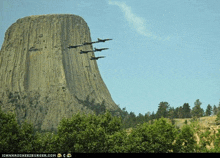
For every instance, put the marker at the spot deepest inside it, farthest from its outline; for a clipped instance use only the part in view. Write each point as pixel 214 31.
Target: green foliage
pixel 15 138
pixel 179 112
pixel 217 120
pixel 45 142
pixel 130 120
pixel 162 110
pixel 194 119
pixel 156 137
pixel 205 139
pixel 185 141
pixel 87 133
pixel 205 135
pixel 171 113
pixel 217 142
pixel 106 132
pixel 116 142
pixel 96 107
pixel 215 110
pixel 197 111
pixel 186 110
pixel 26 138
pixel 9 133
pixel 208 111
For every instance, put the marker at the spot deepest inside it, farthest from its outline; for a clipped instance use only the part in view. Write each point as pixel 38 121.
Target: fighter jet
pixel 103 40
pixel 88 43
pixel 74 46
pixel 96 58
pixel 86 51
pixel 100 49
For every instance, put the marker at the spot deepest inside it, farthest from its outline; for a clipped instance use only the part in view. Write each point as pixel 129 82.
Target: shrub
pixel 157 137
pixel 185 141
pixel 15 138
pixel 88 133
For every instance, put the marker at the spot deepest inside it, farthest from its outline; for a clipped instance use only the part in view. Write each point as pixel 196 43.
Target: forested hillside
pixel 108 132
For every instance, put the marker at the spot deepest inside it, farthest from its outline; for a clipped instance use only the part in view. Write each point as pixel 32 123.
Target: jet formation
pixel 95 49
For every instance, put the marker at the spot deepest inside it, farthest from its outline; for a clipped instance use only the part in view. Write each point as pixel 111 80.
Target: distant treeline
pixel 166 111
pixel 128 119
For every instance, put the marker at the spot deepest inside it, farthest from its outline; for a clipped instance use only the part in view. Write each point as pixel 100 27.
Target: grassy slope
pixel 206 121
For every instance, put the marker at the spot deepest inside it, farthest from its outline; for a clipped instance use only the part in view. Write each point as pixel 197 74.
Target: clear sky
pixel 162 50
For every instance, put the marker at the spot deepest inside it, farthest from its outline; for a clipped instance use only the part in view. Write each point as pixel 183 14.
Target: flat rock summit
pixel 42 80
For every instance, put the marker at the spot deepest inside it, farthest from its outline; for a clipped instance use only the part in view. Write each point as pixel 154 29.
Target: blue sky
pixel 162 50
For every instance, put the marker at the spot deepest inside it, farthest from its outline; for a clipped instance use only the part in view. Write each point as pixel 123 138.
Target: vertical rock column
pixel 35 57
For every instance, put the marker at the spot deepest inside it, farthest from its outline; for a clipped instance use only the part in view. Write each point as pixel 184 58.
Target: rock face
pixel 36 63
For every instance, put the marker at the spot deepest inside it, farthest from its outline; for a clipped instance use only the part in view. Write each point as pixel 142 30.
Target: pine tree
pixel 180 112
pixel 186 110
pixel 171 113
pixel 152 116
pixel 197 111
pixel 215 110
pixel 218 108
pixel 208 111
pixel 162 110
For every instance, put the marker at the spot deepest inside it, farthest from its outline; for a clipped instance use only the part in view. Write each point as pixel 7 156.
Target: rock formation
pixel 44 79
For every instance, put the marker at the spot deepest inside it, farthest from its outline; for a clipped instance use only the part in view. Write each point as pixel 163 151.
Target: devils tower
pixel 43 79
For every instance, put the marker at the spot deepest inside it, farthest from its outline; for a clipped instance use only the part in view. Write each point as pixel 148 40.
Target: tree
pixel 185 141
pixel 46 142
pixel 88 133
pixel 157 137
pixel 152 116
pixel 171 113
pixel 197 111
pixel 217 142
pixel 218 108
pixel 215 110
pixel 186 110
pixel 208 111
pixel 15 138
pixel 96 107
pixel 140 118
pixel 132 121
pixel 180 112
pixel 147 116
pixel 162 110
pixel 217 120
pixel 9 131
